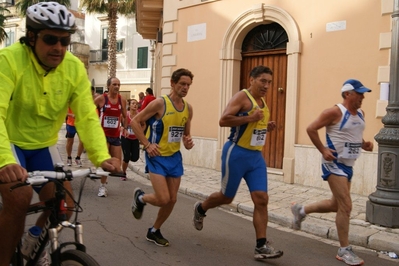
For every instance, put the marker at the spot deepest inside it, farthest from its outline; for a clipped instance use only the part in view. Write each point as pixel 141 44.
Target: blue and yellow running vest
pixel 168 131
pixel 251 136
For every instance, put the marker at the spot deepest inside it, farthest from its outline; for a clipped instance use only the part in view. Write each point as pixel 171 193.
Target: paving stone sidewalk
pixel 201 182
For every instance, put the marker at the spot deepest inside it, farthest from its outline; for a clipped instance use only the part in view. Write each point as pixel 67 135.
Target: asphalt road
pixel 114 237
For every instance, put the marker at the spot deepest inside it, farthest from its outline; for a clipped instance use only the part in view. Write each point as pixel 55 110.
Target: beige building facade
pixel 312 46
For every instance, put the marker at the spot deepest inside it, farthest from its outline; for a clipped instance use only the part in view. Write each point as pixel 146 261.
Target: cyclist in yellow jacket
pixel 38 80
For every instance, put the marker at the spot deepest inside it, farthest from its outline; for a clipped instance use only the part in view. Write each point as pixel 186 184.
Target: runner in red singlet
pixel 112 107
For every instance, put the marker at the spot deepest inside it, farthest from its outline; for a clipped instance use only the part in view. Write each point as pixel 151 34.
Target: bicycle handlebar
pixel 41 177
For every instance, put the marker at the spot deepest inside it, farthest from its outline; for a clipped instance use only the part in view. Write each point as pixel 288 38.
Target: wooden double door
pixel 273 150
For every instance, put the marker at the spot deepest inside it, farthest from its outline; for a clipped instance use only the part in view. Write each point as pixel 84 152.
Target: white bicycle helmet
pixel 50 15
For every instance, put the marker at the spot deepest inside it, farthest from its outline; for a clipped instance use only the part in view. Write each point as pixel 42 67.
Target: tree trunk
pixel 113 17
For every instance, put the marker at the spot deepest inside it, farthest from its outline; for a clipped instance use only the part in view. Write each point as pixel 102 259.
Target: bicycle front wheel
pixel 75 257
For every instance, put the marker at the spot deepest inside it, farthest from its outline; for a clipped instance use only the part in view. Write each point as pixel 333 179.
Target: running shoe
pixel 137 206
pixel 157 238
pixel 298 217
pixel 267 252
pixel 78 161
pixel 348 256
pixel 102 192
pixel 124 178
pixel 198 219
pixel 69 161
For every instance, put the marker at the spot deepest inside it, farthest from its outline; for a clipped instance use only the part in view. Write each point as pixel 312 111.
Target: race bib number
pixel 175 134
pixel 130 130
pixel 258 137
pixel 110 122
pixel 351 150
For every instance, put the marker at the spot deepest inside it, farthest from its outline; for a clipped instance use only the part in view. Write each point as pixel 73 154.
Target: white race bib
pixel 175 134
pixel 258 137
pixel 351 150
pixel 111 122
pixel 130 130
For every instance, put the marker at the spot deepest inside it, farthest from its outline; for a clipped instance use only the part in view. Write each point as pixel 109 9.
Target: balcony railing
pixel 97 56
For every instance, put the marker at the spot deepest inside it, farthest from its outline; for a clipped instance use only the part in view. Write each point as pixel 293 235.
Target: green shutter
pixel 142 57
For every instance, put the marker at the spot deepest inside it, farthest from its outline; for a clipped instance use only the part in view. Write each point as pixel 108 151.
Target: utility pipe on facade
pixel 152 51
pixel 383 205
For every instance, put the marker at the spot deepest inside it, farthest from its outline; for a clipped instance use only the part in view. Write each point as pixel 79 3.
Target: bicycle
pixel 58 219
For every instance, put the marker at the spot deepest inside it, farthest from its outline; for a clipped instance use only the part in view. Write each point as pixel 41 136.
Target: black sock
pixel 260 242
pixel 69 157
pixel 200 210
pixel 77 158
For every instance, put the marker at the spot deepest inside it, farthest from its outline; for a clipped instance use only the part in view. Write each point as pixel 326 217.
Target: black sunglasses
pixel 52 40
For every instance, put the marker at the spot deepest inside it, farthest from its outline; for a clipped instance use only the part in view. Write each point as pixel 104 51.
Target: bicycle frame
pixel 57 219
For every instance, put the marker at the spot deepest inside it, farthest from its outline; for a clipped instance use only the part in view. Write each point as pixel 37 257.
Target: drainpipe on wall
pixel 152 51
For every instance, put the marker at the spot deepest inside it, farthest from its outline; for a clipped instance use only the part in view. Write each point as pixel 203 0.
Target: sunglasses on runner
pixel 52 40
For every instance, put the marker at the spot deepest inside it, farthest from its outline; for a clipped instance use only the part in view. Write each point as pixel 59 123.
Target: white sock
pixel 153 230
pixel 343 248
pixel 141 199
pixel 302 211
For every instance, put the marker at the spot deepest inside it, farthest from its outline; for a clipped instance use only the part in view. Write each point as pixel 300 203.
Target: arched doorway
pixel 267 45
pixel 231 58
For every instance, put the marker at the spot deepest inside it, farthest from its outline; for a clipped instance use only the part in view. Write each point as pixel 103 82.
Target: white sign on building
pixel 196 32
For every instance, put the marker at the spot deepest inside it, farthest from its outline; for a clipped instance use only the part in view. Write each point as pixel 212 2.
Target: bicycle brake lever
pixel 18 185
pixel 94 176
pixel 120 174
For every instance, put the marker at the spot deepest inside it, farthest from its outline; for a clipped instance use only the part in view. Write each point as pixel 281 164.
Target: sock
pixel 200 210
pixel 141 199
pixel 69 157
pixel 260 242
pixel 302 211
pixel 153 230
pixel 77 158
pixel 343 248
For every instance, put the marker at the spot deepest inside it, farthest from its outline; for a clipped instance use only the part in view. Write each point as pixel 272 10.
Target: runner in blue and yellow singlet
pixel 248 117
pixel 169 122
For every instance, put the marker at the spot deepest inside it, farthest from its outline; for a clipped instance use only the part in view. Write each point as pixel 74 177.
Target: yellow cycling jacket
pixel 34 103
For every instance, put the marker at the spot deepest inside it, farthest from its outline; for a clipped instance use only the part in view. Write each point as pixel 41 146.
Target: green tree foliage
pixel 3 18
pixel 22 5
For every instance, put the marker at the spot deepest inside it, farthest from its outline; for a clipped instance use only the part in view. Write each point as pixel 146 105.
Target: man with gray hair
pixel 344 125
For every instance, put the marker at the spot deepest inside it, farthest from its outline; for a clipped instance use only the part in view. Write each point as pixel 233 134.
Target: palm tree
pixel 112 8
pixel 3 18
pixel 22 5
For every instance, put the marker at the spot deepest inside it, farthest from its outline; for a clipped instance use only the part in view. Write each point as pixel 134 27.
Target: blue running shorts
pixel 238 163
pixel 113 141
pixel 37 160
pixel 70 131
pixel 335 168
pixel 167 166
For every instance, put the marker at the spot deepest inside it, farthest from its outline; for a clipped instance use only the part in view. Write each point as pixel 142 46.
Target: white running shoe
pixel 298 217
pixel 102 192
pixel 267 252
pixel 198 219
pixel 78 162
pixel 349 257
